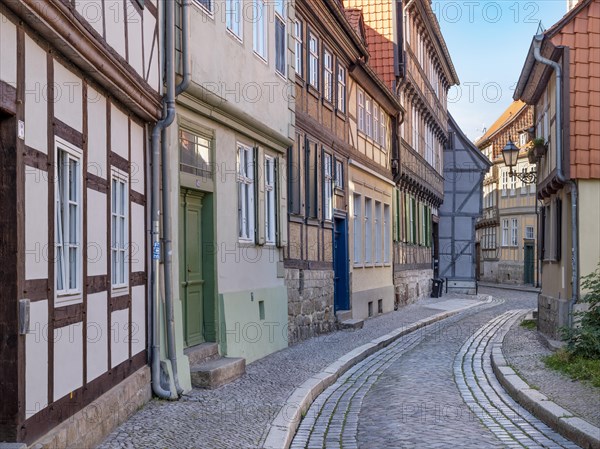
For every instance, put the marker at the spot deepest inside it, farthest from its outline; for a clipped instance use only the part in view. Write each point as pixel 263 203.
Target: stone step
pixel 201 353
pixel 343 315
pixel 352 324
pixel 218 372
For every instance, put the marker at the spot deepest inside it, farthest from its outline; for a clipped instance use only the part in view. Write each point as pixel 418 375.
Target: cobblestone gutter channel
pixel 331 418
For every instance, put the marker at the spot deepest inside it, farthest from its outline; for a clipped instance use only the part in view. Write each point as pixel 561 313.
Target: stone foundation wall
pixel 310 303
pixel 412 285
pixel 88 427
pixel 553 313
pixel 510 272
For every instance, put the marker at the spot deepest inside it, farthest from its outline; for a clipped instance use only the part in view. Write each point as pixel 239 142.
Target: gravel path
pixel 524 350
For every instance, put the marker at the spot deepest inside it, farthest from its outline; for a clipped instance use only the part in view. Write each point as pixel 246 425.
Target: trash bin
pixel 437 288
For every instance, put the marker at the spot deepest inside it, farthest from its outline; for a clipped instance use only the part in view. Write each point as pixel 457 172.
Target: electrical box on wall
pixel 24 316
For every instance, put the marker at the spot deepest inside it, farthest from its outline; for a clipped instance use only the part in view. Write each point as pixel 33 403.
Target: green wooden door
pixel 529 268
pixel 190 263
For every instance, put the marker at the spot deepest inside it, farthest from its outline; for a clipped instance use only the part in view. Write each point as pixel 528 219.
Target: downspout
pixel 166 203
pixel 169 115
pixel 537 43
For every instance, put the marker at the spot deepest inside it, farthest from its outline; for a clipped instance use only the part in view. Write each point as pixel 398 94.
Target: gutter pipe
pixel 166 203
pixel 168 116
pixel 537 43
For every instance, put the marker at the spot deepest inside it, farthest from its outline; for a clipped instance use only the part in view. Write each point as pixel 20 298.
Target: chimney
pixel 571 4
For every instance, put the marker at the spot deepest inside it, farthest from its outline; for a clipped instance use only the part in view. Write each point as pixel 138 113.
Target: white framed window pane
pixel 298 46
pixel 368 231
pixel 259 32
pixel 361 110
pixel 387 234
pixel 341 91
pixel 328 186
pixel 233 14
pixel 328 75
pixel 376 122
pixel 357 229
pixel 313 44
pixel 378 237
pixel 280 47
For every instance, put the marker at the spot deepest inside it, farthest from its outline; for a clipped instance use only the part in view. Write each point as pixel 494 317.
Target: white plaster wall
pixel 114 16
pixel 36 223
pixel 150 50
pixel 138 235
pixel 68 97
pixel 97 133
pixel 97 336
pixel 36 112
pixel 138 319
pixel 8 37
pixel 119 132
pixel 36 359
pixel 68 359
pixel 134 38
pixel 91 10
pixel 96 243
pixel 119 335
pixel 137 158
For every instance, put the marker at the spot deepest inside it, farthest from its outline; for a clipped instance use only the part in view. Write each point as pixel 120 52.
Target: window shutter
pixel 259 182
pixel 558 228
pixel 541 232
pixel 395 213
pixel 281 212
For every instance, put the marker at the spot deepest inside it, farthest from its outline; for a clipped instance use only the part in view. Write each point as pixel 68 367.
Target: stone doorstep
pixel 343 315
pixel 108 411
pixel 281 431
pixel 560 419
pixel 352 324
pixel 202 353
pixel 218 372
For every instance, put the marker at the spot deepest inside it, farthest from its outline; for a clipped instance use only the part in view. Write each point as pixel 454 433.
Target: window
pixel 341 88
pixel 298 46
pixel 505 232
pixel 328 76
pixel 194 154
pixel 293 164
pixel 513 184
pixel 270 206
pixel 378 237
pixel 383 130
pixel 327 186
pixel 523 185
pixel 246 192
pixel 233 10
pixel 280 47
pixel 529 232
pixel 259 28
pixel 311 181
pixel 361 110
pixel 387 242
pixel 206 4
pixel 514 233
pixel 68 221
pixel 504 181
pixel 357 229
pixel 412 215
pixel 368 117
pixel 368 231
pixel 119 230
pixel 522 140
pixel 339 175
pixel 375 122
pixel 313 61
pixel 415 128
pixel 532 186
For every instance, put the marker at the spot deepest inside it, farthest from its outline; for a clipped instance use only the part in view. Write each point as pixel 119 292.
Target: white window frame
pixel 383 130
pixel 328 76
pixel 119 242
pixel 327 186
pixel 246 193
pixel 341 88
pixel 233 14
pixel 357 229
pixel 65 153
pixel 514 232
pixel 376 122
pixel 360 100
pixel 298 48
pixel 280 16
pixel 532 186
pixel 368 231
pixel 313 60
pixel 259 29
pixel 505 231
pixel 504 182
pixel 529 232
pixel 368 116
pixel 387 236
pixel 270 201
pixel 513 184
pixel 377 223
pixel 206 7
pixel 339 174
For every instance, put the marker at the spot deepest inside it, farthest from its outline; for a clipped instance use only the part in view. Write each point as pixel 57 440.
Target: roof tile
pixel 582 157
pixel 583 171
pixel 582 142
pixel 595 171
pixel 595 157
pixel 582 128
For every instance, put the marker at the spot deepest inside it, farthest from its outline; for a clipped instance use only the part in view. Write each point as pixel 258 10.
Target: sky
pixel 488 42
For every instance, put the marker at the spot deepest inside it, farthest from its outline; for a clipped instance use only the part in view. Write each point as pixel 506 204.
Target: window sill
pixel 235 37
pixel 339 191
pixel 68 300
pixel 299 80
pixel 260 57
pixel 327 104
pixel 312 222
pixel 328 224
pixel 247 244
pixel 341 114
pixel 313 91
pixel 210 14
pixel 119 291
pixel 295 218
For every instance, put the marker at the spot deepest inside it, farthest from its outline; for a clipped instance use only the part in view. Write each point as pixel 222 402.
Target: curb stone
pixel 283 428
pixel 560 419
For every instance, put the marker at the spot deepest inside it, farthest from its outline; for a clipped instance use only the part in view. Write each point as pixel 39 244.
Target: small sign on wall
pixel 21 130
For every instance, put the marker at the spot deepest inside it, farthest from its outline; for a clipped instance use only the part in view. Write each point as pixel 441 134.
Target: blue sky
pixel 488 42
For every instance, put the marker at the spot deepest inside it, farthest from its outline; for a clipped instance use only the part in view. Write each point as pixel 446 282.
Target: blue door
pixel 341 297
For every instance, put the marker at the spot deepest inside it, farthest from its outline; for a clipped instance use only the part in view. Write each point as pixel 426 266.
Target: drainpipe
pixel 537 43
pixel 169 115
pixel 166 203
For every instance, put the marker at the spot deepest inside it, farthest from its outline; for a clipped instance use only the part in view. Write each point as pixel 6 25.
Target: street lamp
pixel 510 154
